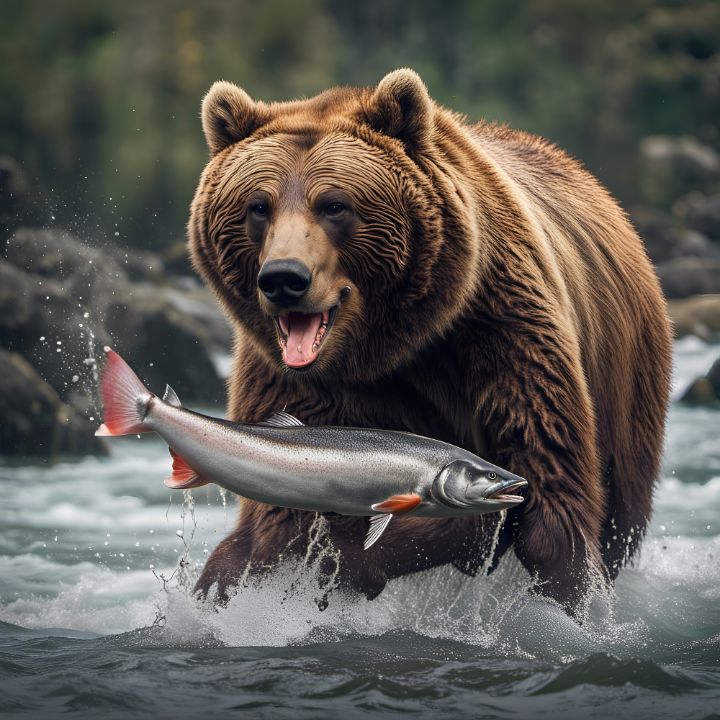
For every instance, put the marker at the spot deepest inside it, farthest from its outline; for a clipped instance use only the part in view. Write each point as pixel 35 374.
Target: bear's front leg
pixel 539 417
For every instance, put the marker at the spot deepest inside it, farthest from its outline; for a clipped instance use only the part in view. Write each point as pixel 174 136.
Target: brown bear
pixel 388 264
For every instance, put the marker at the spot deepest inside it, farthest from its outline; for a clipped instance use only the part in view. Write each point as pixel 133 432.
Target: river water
pixel 96 620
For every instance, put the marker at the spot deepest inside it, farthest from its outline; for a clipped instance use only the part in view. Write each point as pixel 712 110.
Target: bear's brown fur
pixel 490 293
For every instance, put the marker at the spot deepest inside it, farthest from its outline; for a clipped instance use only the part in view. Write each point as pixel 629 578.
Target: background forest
pixel 100 101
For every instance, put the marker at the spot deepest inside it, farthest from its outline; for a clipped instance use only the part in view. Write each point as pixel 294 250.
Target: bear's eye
pixel 259 209
pixel 334 209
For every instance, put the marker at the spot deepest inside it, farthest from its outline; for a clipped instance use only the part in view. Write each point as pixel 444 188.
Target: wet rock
pixel 705 390
pixel 34 419
pixel 61 302
pixel 41 320
pixel 211 324
pixel 698 316
pixel 683 277
pixel 87 273
pixel 657 231
pixel 673 165
pixel 701 213
pixel 165 344
pixel 691 243
pixel 177 260
pixel 714 376
pixel 139 265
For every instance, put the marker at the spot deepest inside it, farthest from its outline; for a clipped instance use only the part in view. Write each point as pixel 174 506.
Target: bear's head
pixel 337 231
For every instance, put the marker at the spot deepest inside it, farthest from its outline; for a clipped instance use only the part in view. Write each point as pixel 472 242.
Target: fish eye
pixel 492 475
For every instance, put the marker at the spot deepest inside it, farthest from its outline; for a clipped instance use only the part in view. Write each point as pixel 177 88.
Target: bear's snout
pixel 284 282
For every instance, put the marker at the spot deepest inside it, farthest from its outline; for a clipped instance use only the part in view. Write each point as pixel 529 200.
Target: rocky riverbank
pixel 61 302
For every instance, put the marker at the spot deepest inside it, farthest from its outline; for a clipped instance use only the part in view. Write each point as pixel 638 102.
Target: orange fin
pixel 398 504
pixel 183 476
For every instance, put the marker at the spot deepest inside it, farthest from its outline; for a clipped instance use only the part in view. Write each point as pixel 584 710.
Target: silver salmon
pixel 345 470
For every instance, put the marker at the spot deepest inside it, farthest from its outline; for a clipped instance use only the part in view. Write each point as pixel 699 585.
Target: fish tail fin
pixel 183 476
pixel 124 399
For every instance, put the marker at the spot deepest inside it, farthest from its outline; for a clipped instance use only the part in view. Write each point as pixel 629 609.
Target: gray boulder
pixel 699 315
pixel 165 344
pixel 691 243
pixel 657 230
pixel 673 164
pixel 683 277
pixel 61 302
pixel 701 213
pixel 35 421
pixel 705 390
pixel 88 274
pixel 41 320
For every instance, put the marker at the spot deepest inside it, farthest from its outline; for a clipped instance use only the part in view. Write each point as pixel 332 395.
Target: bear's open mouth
pixel 302 334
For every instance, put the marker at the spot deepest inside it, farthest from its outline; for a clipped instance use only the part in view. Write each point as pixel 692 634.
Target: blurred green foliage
pixel 100 100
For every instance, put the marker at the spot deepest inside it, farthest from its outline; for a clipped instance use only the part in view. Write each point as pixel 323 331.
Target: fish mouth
pixel 503 491
pixel 301 335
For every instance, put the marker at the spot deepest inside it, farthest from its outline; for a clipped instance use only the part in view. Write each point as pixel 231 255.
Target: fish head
pixel 477 485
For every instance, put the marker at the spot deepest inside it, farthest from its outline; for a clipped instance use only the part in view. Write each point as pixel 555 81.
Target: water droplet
pixel 86 314
pixel 179 533
pixel 42 338
pixel 75 378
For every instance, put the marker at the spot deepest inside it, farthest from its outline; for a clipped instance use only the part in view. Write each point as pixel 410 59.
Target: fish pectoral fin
pixel 393 505
pixel 171 397
pixel 378 523
pixel 282 419
pixel 398 503
pixel 183 476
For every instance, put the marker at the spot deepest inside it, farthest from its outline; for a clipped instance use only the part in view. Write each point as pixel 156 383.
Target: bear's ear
pixel 401 107
pixel 229 114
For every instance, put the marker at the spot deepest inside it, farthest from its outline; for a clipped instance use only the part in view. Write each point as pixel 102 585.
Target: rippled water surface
pixel 96 621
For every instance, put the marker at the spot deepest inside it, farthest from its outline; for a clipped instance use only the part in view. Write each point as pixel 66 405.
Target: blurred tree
pixel 101 100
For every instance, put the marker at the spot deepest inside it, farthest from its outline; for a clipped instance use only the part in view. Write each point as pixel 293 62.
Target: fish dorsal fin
pixel 183 476
pixel 170 397
pixel 282 419
pixel 378 523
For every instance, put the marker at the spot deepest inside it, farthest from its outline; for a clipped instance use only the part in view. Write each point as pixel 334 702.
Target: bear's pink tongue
pixel 302 329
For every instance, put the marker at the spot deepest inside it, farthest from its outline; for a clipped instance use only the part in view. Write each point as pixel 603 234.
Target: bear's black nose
pixel 284 282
